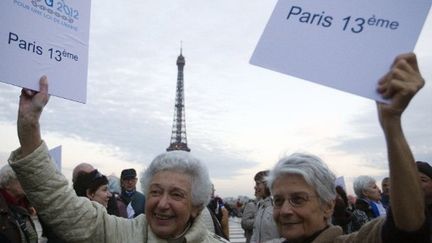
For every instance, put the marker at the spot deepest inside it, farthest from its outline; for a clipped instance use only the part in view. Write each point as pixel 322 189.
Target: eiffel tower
pixel 178 136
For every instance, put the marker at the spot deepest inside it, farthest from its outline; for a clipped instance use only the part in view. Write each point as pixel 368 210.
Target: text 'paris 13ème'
pixel 33 47
pixel 349 23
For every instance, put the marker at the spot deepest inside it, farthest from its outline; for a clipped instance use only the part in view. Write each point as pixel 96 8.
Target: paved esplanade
pixel 235 230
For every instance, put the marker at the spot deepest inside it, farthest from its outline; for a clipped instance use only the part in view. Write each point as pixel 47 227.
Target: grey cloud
pixel 417 125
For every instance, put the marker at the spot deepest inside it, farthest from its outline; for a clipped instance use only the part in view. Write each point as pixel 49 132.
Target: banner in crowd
pixel 56 155
pixel 340 181
pixel 46 37
pixel 344 44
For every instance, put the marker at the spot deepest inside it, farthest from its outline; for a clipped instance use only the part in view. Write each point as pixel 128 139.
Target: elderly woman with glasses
pixel 303 187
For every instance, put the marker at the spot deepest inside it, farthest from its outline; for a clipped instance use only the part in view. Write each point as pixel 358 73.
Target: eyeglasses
pixel 298 200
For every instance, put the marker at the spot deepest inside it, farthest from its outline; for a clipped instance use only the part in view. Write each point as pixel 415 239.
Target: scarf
pixel 11 200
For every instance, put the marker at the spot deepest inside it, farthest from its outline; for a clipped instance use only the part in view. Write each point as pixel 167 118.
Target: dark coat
pixel 10 230
pixel 137 200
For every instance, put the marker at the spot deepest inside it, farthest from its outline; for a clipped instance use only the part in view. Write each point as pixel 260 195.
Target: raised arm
pixel 73 218
pixel 400 85
pixel 30 109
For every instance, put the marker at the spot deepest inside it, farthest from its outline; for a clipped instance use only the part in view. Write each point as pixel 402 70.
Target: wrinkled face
pixel 385 185
pixel 129 184
pixel 426 184
pixel 101 195
pixel 307 217
pixel 169 204
pixel 372 192
pixel 260 190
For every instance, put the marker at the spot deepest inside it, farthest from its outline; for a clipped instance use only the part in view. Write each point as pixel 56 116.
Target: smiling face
pixel 169 204
pixel 101 195
pixel 309 215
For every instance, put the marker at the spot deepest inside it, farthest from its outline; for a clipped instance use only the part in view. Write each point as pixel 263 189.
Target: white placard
pixel 46 37
pixel 56 155
pixel 340 181
pixel 345 44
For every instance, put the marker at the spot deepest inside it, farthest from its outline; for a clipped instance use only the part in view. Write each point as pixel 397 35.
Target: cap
pixel 424 168
pixel 128 174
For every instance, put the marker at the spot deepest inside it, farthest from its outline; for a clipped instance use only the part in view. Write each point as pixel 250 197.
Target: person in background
pixel 134 200
pixel 385 195
pixel 94 186
pixel 264 228
pixel 16 224
pixel 248 219
pixel 368 204
pixel 342 214
pixel 116 206
pixel 237 212
pixel 219 214
pixel 82 167
pixel 425 174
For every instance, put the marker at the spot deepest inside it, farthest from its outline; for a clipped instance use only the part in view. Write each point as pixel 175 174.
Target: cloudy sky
pixel 240 118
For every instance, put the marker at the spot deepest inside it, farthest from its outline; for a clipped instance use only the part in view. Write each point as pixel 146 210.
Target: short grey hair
pixel 361 183
pixel 183 162
pixel 313 170
pixel 6 175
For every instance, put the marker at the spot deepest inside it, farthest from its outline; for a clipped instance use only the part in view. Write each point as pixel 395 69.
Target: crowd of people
pixel 297 200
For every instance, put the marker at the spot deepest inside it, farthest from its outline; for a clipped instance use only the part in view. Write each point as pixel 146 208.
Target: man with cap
pixel 134 200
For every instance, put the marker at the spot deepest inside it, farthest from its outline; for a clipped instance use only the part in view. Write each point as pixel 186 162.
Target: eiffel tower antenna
pixel 178 135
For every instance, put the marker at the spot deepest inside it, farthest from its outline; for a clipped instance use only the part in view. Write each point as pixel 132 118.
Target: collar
pixel 181 238
pixel 327 235
pixel 129 193
pixel 314 236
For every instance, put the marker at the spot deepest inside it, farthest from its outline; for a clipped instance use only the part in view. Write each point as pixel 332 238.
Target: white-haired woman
pixel 177 188
pixel 303 187
pixel 368 205
pixel 16 224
